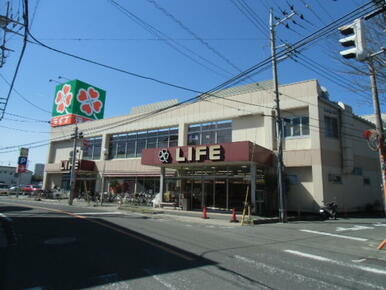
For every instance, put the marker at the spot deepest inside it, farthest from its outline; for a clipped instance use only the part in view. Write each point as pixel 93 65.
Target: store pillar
pixel 253 186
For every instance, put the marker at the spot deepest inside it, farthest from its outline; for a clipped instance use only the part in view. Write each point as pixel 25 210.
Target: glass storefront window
pixel 210 133
pixel 130 145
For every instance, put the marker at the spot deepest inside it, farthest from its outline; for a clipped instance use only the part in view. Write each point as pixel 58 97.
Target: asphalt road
pixel 51 246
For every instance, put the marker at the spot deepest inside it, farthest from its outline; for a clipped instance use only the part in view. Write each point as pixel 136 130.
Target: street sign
pixel 22 160
pixel 24 152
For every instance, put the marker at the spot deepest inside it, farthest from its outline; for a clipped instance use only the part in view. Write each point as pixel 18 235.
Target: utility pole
pixel 379 125
pixel 279 127
pixel 75 136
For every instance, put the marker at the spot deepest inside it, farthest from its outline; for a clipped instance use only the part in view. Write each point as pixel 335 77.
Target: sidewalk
pixel 215 218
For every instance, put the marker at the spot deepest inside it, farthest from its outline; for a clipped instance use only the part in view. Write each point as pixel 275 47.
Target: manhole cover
pixel 60 241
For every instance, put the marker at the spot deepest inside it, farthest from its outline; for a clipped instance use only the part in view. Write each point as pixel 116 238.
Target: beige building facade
pixel 325 156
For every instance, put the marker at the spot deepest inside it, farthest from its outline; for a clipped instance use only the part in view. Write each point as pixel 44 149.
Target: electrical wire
pixel 24 98
pixel 168 40
pixel 195 35
pixel 25 15
pixel 226 83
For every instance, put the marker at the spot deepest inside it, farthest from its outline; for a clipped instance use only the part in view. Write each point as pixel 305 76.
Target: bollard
pixel 234 218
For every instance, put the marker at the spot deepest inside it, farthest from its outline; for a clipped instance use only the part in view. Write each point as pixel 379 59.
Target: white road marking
pixel 98 213
pixel 358 261
pixel 335 235
pixel 354 228
pixel 7 218
pixel 379 225
pixel 275 270
pixel 162 281
pixel 351 280
pixel 328 260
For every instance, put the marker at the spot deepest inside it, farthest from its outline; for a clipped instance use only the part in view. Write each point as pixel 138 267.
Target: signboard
pixel 77 102
pixel 243 151
pixel 24 152
pixel 87 165
pixel 22 160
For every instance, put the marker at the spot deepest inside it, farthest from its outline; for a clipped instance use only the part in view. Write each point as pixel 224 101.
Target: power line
pixel 168 40
pixel 22 130
pixel 25 15
pixel 226 83
pixel 27 118
pixel 24 98
pixel 195 35
pixel 246 11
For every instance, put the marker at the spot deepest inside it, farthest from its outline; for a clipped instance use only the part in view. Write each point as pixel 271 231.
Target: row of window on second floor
pixel 210 133
pixel 130 145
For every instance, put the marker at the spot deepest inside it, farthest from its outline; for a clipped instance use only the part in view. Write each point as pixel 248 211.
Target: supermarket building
pixel 211 150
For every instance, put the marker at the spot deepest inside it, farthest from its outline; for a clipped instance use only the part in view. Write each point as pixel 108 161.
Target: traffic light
pixel 356 39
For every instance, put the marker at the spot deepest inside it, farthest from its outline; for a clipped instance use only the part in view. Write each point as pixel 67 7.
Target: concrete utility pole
pixel 75 136
pixel 279 126
pixel 378 124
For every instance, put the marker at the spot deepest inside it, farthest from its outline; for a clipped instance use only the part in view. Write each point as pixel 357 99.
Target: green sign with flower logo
pixel 77 102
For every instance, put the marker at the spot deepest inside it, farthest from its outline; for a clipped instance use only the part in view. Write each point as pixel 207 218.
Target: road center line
pixel 323 259
pixel 335 235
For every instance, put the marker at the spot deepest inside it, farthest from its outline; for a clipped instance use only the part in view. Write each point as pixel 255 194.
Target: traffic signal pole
pixel 73 172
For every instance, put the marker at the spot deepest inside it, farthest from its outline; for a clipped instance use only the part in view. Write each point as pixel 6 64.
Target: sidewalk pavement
pixel 215 218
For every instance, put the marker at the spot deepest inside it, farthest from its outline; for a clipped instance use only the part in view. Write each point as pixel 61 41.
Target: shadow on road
pixel 4 209
pixel 73 253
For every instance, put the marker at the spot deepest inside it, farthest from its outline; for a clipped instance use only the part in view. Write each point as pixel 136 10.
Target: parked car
pixel 31 189
pixel 4 189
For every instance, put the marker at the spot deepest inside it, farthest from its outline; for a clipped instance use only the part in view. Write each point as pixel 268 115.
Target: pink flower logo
pixel 90 103
pixel 63 98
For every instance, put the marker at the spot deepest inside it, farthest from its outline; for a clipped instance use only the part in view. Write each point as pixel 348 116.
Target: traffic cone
pixel 381 245
pixel 205 213
pixel 234 218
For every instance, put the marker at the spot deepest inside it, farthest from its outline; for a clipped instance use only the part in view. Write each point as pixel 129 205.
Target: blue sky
pixel 97 30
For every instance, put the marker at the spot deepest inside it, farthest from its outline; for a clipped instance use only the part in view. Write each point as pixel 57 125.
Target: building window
pixel 366 181
pixel 331 127
pixel 357 171
pixel 296 126
pixel 129 145
pixel 210 133
pixel 92 148
pixel 335 178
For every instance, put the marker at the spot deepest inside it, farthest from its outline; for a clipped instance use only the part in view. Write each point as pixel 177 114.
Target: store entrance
pixel 217 193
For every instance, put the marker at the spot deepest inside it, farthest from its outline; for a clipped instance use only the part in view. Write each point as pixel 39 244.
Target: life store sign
pixel 242 151
pixel 77 102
